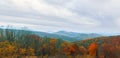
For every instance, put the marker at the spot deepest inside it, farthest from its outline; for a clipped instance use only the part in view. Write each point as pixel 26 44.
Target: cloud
pixel 40 7
pixel 99 8
pixel 61 15
pixel 117 22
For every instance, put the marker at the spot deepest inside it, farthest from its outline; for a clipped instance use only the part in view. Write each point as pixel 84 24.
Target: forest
pixel 25 44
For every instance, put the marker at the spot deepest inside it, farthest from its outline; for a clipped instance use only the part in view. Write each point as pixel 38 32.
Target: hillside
pixel 112 40
pixel 78 36
pixel 22 43
pixel 68 36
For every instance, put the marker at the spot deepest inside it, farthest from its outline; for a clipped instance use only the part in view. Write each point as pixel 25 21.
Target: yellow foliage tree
pixel 30 51
pixel 52 46
pixel 53 41
pixel 6 49
pixel 22 51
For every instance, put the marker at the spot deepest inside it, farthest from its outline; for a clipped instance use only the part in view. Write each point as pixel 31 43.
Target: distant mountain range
pixel 68 36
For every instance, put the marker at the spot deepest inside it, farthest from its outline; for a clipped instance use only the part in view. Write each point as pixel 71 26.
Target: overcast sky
pixel 91 16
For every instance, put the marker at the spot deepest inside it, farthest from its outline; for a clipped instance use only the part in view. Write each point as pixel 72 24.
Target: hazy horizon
pixel 30 29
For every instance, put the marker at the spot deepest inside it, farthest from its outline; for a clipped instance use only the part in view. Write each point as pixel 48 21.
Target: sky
pixel 86 16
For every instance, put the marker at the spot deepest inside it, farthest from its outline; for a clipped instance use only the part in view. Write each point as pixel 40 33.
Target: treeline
pixel 21 43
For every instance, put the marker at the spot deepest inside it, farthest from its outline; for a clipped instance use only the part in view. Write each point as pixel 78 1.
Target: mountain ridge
pixel 69 36
pixel 64 35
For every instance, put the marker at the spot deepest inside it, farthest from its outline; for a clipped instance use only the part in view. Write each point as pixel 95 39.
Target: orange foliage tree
pixel 92 49
pixel 65 48
pixel 70 49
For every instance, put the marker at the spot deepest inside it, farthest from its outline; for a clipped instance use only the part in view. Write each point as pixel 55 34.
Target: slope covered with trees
pixel 21 44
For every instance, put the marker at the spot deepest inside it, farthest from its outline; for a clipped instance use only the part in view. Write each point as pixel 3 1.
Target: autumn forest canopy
pixel 22 43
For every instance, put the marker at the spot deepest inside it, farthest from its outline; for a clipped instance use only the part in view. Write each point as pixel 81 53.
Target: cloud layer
pixel 70 15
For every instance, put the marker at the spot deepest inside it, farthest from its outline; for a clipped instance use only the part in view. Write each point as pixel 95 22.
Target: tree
pixel 108 50
pixel 52 46
pixel 92 49
pixel 74 49
pixel 6 49
pixel 82 50
pixel 43 50
pixel 65 48
pixel 30 51
pixel 22 51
